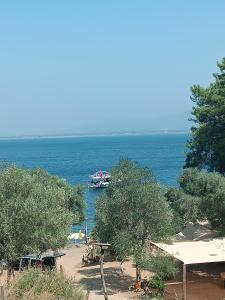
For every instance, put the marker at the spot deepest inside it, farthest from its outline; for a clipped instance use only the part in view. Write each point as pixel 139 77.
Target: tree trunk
pixel 121 267
pixel 1 269
pixel 1 287
pixel 9 271
pixel 138 273
pixel 102 275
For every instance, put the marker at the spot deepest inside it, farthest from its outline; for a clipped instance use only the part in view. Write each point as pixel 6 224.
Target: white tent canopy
pixel 196 252
pixel 210 250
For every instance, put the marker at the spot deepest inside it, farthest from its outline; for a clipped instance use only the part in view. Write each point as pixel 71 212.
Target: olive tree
pixel 131 211
pixel 36 211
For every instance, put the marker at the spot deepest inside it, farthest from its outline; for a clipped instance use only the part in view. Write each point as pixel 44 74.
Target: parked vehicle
pixel 44 262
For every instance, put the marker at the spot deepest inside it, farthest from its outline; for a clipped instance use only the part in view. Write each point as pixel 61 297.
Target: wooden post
pixel 9 271
pixel 102 274
pixel 138 274
pixel 61 269
pixel 2 295
pixel 20 266
pixel 86 230
pixel 103 246
pixel 184 282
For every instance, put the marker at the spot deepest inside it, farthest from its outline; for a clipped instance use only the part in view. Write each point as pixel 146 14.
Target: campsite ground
pixel 89 276
pixel 203 280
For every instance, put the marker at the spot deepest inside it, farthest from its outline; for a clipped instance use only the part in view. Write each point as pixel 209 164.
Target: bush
pixel 163 266
pixel 157 283
pixel 36 285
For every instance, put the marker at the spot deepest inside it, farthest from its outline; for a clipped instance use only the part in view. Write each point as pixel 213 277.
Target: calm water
pixel 75 158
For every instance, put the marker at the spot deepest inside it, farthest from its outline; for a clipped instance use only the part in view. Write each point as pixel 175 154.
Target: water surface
pixel 75 158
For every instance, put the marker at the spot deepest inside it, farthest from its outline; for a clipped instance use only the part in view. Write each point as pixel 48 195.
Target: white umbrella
pixel 76 236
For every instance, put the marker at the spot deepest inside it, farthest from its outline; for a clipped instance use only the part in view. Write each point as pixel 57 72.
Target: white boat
pixel 99 180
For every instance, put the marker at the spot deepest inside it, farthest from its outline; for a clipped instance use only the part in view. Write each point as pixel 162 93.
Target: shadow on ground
pixel 115 281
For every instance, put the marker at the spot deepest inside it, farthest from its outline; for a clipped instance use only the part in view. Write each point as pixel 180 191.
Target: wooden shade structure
pixel 209 250
pixel 103 247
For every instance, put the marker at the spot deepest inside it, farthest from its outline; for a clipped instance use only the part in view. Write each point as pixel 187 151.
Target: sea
pixel 75 158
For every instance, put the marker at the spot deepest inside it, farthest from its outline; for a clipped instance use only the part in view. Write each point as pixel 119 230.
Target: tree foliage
pixel 201 196
pixel 37 210
pixel 210 188
pixel 163 266
pixel 185 208
pixel 207 146
pixel 132 210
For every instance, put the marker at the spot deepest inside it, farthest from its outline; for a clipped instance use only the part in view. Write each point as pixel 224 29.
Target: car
pixel 44 262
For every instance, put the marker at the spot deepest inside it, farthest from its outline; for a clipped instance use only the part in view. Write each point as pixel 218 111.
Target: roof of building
pixel 195 232
pixel 196 252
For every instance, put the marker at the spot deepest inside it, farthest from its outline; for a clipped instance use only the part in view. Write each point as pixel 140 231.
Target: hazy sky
pixel 92 66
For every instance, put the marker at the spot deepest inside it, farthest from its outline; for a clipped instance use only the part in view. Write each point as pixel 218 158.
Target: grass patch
pixel 36 285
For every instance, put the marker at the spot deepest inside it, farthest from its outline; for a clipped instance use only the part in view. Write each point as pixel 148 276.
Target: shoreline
pixel 88 135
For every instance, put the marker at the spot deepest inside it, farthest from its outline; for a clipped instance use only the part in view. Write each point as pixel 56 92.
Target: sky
pixel 70 67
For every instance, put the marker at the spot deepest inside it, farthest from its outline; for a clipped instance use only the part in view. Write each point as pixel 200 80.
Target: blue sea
pixel 76 158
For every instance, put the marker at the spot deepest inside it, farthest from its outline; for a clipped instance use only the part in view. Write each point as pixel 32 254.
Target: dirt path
pixel 204 280
pixel 89 277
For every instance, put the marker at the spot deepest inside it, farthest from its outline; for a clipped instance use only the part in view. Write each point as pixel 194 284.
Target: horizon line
pixel 80 135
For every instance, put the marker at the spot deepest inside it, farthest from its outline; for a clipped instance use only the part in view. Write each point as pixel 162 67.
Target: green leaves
pixel 132 210
pixel 201 196
pixel 207 146
pixel 163 266
pixel 37 210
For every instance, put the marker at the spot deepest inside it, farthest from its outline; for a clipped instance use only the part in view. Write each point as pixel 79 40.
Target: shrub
pixel 157 283
pixel 36 285
pixel 163 266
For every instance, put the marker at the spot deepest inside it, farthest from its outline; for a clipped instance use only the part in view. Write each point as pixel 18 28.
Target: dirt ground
pixel 204 281
pixel 89 276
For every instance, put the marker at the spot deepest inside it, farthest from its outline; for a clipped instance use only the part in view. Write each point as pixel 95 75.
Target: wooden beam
pixel 2 295
pixel 102 275
pixel 184 282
